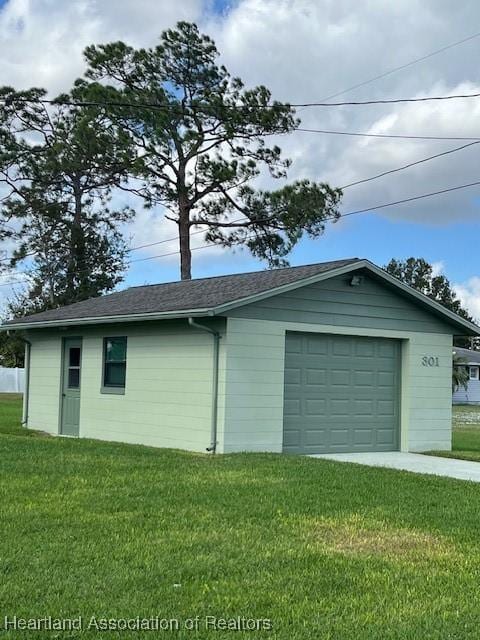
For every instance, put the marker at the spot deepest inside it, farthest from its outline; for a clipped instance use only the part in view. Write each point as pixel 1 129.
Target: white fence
pixel 12 380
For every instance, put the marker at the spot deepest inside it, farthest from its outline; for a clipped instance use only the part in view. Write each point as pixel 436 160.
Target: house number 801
pixel 430 361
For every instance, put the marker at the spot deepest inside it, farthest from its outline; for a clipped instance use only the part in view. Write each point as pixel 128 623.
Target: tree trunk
pixel 185 251
pixel 77 265
pixel 184 226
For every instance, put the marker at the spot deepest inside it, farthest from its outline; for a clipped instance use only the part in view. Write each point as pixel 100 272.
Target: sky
pixel 306 51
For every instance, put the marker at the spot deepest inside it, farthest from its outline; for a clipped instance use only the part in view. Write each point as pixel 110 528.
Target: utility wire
pixel 384 135
pixel 411 164
pixel 386 101
pixel 207 109
pixel 343 215
pixel 403 66
pixel 347 186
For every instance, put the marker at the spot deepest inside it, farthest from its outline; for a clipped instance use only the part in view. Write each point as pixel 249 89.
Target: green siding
pixel 45 381
pixel 254 384
pixel 372 305
pixel 167 400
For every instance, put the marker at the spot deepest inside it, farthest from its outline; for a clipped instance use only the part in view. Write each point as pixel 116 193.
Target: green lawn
pixel 324 550
pixel 466 433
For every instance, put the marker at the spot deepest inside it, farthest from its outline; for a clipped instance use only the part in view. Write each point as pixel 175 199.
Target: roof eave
pixel 467 328
pixel 139 317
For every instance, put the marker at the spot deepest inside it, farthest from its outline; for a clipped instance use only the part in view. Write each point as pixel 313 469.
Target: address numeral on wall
pixel 430 361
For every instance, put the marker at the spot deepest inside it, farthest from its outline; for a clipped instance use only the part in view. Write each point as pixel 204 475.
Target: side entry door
pixel 71 377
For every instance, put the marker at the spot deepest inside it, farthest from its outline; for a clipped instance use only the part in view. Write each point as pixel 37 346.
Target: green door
pixel 70 408
pixel 341 394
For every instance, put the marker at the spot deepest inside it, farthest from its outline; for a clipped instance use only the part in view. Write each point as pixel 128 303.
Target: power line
pixel 403 66
pixel 411 164
pixel 343 215
pixel 386 101
pixel 384 135
pixel 405 200
pixel 207 109
pixel 347 186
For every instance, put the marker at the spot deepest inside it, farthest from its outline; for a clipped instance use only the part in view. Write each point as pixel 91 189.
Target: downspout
pixel 216 350
pixel 26 393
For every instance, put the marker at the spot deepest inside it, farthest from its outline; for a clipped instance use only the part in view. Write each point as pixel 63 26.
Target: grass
pixel 466 434
pixel 324 550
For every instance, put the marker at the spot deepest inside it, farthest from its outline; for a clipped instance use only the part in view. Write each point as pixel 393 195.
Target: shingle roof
pixel 469 356
pixel 203 293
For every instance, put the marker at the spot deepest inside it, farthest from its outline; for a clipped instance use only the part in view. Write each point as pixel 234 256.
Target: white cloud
pixel 469 295
pixel 304 50
pixel 438 268
pixel 42 40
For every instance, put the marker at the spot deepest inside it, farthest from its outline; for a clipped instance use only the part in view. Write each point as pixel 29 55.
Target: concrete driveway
pixel 416 462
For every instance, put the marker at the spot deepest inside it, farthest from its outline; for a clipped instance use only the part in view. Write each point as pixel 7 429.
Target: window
pixel 473 373
pixel 73 368
pixel 114 363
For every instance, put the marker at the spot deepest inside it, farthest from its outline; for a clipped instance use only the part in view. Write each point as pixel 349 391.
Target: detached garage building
pixel 332 357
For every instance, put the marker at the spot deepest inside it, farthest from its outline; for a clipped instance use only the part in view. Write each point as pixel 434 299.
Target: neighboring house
pixel 471 361
pixel 332 357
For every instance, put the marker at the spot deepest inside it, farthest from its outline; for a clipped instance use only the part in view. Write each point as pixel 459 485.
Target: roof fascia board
pixel 106 319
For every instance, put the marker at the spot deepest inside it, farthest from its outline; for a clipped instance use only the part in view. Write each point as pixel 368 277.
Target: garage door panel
pixel 316 376
pixel 315 437
pixel 293 375
pixel 385 436
pixel 340 377
pixel 339 407
pixel 386 378
pixel 315 347
pixel 292 407
pixel 387 349
pixel 315 406
pixel 341 347
pixel 292 439
pixel 345 396
pixel 364 349
pixel 295 344
pixel 364 437
pixel 363 378
pixel 363 407
pixel 385 408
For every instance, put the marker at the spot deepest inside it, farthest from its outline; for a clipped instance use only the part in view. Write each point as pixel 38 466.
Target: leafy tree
pixel 12 350
pixel 202 145
pixel 460 374
pixel 418 273
pixel 58 166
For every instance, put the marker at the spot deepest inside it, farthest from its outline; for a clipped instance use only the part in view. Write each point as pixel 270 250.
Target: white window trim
pixel 473 373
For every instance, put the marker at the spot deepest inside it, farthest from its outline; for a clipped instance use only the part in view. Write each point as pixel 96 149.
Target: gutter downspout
pixel 26 393
pixel 216 350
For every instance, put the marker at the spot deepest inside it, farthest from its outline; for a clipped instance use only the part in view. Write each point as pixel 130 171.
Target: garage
pixel 342 393
pixel 334 357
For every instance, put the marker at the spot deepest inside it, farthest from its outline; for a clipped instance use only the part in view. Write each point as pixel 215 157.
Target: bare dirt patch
pixel 357 536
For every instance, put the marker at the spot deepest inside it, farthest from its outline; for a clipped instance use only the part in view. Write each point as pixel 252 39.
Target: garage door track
pixel 415 462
